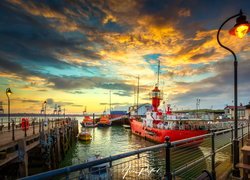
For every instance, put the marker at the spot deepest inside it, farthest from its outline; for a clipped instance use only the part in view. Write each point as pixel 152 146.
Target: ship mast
pixel 158 73
pixel 110 101
pixel 156 93
pixel 138 95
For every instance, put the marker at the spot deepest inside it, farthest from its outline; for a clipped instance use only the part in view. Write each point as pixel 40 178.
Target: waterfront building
pixel 1 108
pixel 115 114
pixel 142 109
pixel 247 111
pixel 229 112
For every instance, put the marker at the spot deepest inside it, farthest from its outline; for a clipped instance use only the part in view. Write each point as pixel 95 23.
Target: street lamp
pixel 43 111
pixel 8 93
pixel 55 110
pixel 58 112
pixel 241 28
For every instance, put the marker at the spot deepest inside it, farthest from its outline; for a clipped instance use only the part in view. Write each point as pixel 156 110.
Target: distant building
pixel 205 114
pixel 247 111
pixel 115 114
pixel 142 109
pixel 1 108
pixel 229 112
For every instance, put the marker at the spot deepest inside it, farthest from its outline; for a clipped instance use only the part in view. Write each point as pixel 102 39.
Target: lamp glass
pixel 241 30
pixel 9 93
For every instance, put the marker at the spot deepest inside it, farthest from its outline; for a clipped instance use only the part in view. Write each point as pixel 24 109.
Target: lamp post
pixel 43 111
pixel 58 112
pixel 45 103
pixel 8 93
pixel 55 111
pixel 241 28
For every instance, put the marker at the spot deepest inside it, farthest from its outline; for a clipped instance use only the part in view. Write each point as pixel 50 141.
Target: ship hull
pixel 88 125
pixel 158 135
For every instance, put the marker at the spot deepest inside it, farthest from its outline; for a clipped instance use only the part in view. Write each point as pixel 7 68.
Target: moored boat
pixel 84 136
pixel 88 122
pixel 157 125
pixel 104 121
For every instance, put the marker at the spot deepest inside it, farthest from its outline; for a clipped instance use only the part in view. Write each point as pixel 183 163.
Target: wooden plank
pixel 245 148
pixel 243 166
pixel 31 146
pixel 8 158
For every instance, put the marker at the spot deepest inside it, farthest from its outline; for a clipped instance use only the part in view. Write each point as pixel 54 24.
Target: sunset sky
pixel 72 53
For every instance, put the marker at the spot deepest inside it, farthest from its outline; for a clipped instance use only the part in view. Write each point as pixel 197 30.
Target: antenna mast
pixel 158 72
pixel 138 93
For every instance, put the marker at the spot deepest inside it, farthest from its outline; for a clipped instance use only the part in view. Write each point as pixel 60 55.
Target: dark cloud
pixel 70 83
pixel 123 93
pixel 30 101
pixel 219 88
pixel 9 66
pixel 31 40
pixel 204 55
pixel 78 92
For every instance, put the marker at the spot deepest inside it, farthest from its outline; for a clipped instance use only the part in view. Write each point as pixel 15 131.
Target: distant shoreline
pixel 48 115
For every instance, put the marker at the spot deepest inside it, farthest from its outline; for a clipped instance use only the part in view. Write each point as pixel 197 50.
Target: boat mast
pixel 110 101
pixel 138 95
pixel 158 73
pixel 156 93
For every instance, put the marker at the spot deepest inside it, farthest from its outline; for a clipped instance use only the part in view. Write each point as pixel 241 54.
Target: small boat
pixel 84 136
pixel 98 172
pixel 126 126
pixel 104 121
pixel 88 122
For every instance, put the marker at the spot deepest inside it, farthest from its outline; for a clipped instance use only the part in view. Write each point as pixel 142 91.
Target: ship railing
pixel 183 159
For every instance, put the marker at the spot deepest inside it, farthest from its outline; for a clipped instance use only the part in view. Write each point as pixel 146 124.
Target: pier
pixel 39 147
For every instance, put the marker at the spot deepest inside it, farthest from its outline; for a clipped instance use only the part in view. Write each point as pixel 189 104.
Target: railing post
pixel 242 136
pixel 33 123
pixel 213 156
pixel 168 175
pixel 13 130
pixel 39 125
pixel 248 129
pixel 232 137
pixel 25 128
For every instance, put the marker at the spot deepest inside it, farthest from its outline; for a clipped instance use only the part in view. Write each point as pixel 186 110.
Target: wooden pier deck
pixel 52 141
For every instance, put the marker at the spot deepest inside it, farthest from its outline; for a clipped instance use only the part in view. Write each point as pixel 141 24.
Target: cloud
pixel 218 88
pixel 115 104
pixel 184 12
pixel 57 46
pixel 123 93
pixel 30 101
pixel 78 92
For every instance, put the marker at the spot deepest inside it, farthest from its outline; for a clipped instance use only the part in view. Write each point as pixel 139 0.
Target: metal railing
pixel 183 159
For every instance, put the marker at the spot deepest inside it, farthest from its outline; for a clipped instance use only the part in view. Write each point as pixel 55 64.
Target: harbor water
pixel 105 142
